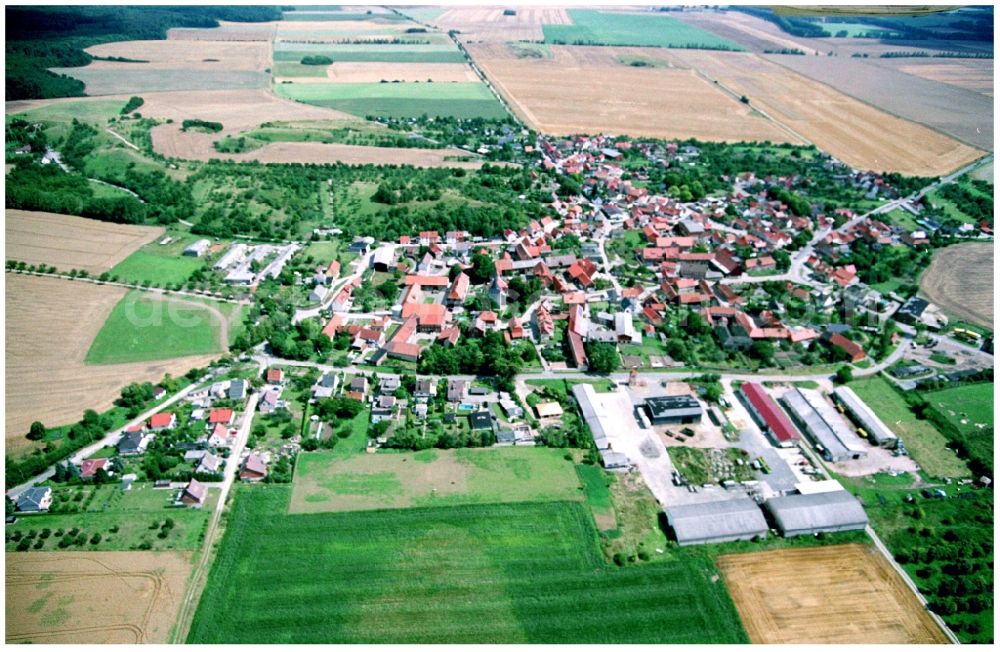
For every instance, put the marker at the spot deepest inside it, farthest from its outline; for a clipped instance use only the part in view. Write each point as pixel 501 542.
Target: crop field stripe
pixel 524 572
pixel 610 28
pixel 438 56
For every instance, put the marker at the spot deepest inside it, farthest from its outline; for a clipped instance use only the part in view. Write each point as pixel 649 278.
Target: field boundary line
pixel 132 286
pixel 909 583
pixel 737 96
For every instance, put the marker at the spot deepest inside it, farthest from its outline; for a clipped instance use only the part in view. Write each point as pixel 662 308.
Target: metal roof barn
pixel 767 412
pixel 738 519
pixel 832 511
pixel 828 431
pixel 860 412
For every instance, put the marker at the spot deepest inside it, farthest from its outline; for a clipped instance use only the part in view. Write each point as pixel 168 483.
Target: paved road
pixel 194 585
pixel 110 439
pixel 360 265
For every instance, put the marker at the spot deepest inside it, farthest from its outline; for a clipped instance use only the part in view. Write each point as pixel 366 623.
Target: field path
pixel 121 138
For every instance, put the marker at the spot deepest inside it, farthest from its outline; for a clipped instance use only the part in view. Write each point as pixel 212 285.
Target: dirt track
pixel 828 594
pixel 50 326
pixel 93 597
pixel 960 280
pixel 70 242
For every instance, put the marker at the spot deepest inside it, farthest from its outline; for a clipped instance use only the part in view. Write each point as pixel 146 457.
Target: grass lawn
pixel 592 27
pixel 947 208
pixel 512 573
pixel 922 439
pixel 327 482
pixel 400 100
pixel 902 218
pixel 970 409
pixel 159 264
pixel 132 512
pixel 142 328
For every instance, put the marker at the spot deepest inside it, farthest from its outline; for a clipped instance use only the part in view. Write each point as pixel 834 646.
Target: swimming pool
pixel 466 406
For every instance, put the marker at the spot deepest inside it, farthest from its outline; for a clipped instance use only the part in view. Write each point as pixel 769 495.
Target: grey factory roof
pixel 593 413
pixel 830 511
pixel 868 420
pixel 722 520
pixel 828 430
pixel 662 407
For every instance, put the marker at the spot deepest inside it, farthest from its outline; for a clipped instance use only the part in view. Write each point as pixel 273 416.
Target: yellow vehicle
pixel 862 433
pixel 966 334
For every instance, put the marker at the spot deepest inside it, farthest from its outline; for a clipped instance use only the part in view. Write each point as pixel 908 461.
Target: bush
pixel 619 559
pixel 23 545
pixel 96 539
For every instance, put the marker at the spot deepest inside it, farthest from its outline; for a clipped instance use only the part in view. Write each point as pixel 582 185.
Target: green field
pixel 90 111
pixel 400 100
pixel 132 513
pixel 142 328
pixel 514 573
pixel 160 264
pixel 854 30
pixel 647 30
pixel 328 481
pixel 922 439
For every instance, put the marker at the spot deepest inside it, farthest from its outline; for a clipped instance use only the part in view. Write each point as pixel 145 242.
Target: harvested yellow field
pixel 589 90
pixel 854 132
pixel 358 72
pixel 226 31
pixel 50 325
pixel 489 23
pixel 828 594
pixel 956 281
pixel 237 110
pixel 174 55
pixel 70 242
pixel 93 597
pixel 973 74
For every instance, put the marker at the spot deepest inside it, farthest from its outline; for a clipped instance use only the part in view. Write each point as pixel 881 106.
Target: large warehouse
pixel 832 511
pixel 863 415
pixel 825 427
pixel 738 519
pixel 770 417
pixel 673 409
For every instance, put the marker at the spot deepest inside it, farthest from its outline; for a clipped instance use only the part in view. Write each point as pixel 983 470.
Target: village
pixel 619 281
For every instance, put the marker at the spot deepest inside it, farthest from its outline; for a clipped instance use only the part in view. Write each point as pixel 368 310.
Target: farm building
pixel 878 432
pixel 197 248
pixel 383 258
pixel 254 468
pixel 35 499
pixel 597 416
pixel 830 511
pixel 548 409
pixel 193 495
pixel 768 415
pixel 825 427
pixel 612 460
pixel 673 409
pixel 738 519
